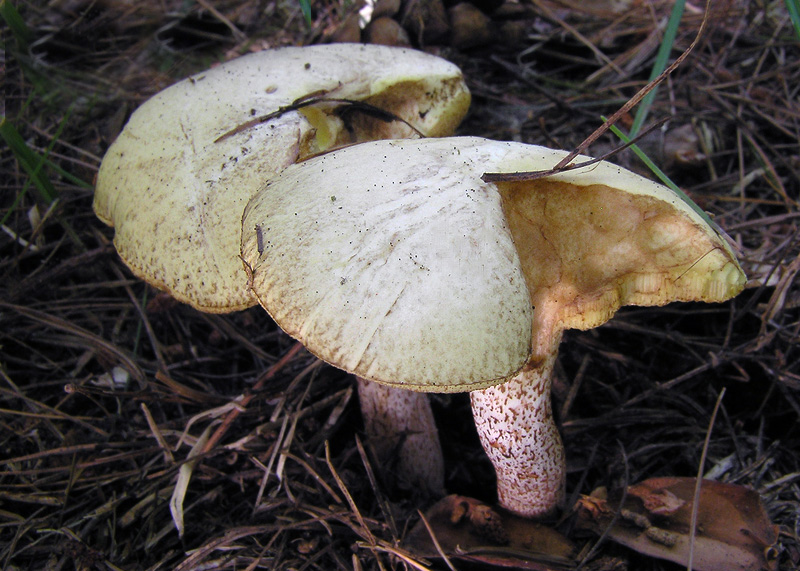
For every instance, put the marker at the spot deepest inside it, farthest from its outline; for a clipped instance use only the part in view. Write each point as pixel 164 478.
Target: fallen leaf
pixel 657 501
pixel 733 530
pixel 470 530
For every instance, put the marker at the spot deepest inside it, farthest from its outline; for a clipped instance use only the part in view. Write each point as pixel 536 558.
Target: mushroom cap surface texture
pixel 393 260
pixel 175 193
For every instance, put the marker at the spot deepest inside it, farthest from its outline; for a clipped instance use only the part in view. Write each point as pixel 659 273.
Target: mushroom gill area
pixel 404 110
pixel 588 250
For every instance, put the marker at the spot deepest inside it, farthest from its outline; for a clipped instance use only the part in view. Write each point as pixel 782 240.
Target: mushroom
pixel 402 434
pixel 176 180
pixel 395 261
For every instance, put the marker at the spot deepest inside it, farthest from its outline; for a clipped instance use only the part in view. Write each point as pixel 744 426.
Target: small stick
pixel 633 101
pixel 435 540
pixel 698 485
pixel 312 99
pixel 533 175
pixel 246 398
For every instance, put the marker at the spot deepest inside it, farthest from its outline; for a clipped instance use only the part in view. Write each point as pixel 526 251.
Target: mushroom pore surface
pixel 588 250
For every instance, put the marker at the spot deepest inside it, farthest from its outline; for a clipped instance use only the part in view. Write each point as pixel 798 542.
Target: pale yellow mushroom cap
pixel 393 260
pixel 175 196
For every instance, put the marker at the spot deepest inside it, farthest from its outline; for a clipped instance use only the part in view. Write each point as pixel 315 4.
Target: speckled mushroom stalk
pixel 516 427
pixel 402 433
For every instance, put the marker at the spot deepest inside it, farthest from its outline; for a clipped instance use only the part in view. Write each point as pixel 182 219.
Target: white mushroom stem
pixel 401 430
pixel 516 427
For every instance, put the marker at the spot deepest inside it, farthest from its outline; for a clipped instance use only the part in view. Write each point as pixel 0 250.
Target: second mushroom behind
pixel 393 260
pixel 176 180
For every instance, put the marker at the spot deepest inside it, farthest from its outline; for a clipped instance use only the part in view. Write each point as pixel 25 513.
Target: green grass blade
pixel 16 24
pixel 17 199
pixel 794 13
pixel 56 136
pixel 305 8
pixel 29 160
pixel 32 163
pixel 662 175
pixel 662 58
pixel 68 175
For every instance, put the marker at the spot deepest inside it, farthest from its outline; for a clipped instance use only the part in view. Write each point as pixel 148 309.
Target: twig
pixel 373 544
pixel 246 398
pixel 435 540
pixel 347 496
pixel 306 101
pixel 632 102
pixel 533 175
pixel 698 484
pixel 617 512
pixel 170 459
pixel 238 35
pixel 382 503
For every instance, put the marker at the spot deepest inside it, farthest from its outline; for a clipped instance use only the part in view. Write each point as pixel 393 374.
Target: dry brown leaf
pixel 733 530
pixel 473 531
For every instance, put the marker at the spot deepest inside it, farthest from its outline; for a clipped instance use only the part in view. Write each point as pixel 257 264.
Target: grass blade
pixel 794 13
pixel 29 160
pixel 32 163
pixel 662 175
pixel 660 64
pixel 16 24
pixel 305 8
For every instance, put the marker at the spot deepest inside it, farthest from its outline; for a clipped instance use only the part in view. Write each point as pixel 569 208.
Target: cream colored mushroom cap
pixel 175 194
pixel 393 260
